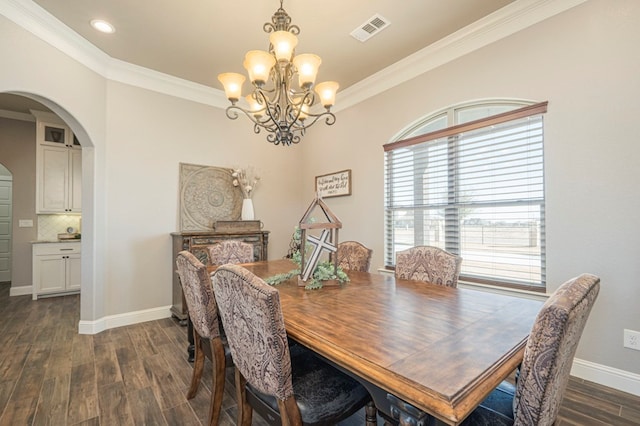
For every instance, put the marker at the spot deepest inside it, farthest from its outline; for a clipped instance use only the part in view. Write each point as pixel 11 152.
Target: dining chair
pixel 428 263
pixel 203 312
pixel 353 256
pixel 230 251
pixel 286 384
pixel 544 373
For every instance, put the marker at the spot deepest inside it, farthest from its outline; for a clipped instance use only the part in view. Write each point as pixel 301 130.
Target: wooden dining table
pixel 423 351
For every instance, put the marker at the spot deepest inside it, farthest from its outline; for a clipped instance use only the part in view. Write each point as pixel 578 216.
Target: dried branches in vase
pixel 247 180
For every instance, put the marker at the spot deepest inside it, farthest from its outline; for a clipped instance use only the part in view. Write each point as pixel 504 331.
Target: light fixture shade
pixel 307 65
pixel 258 64
pixel 283 43
pixel 327 92
pixel 232 82
pixel 254 106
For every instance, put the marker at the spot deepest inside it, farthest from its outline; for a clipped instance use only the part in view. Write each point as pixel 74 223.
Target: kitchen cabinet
pixel 56 268
pixel 196 242
pixel 58 169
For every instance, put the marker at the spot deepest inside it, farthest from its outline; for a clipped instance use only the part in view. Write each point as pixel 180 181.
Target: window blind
pixel 476 190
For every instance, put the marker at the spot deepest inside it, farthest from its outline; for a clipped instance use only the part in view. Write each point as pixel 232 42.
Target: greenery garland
pixel 324 270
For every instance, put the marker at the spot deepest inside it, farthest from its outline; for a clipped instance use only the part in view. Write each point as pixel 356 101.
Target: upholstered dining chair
pixel 286 384
pixel 203 312
pixel 230 251
pixel 548 355
pixel 427 263
pixel 353 256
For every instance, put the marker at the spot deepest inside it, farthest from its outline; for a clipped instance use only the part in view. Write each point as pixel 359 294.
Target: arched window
pixel 470 180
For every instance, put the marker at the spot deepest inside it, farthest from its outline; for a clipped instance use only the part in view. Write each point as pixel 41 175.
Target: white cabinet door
pixel 75 180
pixel 73 272
pixel 56 268
pixel 51 275
pixel 53 179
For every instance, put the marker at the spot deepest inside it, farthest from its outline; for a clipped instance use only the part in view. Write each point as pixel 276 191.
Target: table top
pixel 437 348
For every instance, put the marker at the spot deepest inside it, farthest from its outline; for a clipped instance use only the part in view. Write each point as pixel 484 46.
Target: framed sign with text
pixel 334 184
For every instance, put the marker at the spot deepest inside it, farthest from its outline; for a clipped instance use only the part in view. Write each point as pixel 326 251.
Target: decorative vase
pixel 247 209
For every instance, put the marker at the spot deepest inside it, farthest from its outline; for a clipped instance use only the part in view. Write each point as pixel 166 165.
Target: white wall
pixel 585 63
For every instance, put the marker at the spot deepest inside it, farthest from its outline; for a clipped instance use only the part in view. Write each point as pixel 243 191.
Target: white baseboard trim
pixel 625 381
pixel 119 320
pixel 21 291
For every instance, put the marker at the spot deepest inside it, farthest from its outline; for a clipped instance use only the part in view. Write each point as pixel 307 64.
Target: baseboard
pixel 625 381
pixel 119 320
pixel 21 291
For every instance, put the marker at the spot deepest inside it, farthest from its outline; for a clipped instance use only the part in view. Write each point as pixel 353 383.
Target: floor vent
pixel 373 26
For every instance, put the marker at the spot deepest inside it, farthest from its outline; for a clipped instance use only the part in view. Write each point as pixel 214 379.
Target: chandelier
pixel 277 105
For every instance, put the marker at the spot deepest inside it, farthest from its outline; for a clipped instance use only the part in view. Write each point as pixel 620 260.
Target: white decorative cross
pixel 319 244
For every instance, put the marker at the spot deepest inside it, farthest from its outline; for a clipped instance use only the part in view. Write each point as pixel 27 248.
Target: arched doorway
pixel 88 304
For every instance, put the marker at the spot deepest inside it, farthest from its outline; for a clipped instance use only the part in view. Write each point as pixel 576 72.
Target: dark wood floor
pixel 138 375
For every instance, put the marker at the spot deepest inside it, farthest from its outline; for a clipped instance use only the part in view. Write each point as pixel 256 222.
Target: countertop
pixel 56 241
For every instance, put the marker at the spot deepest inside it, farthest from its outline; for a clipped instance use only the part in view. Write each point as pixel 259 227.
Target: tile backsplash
pixel 50 225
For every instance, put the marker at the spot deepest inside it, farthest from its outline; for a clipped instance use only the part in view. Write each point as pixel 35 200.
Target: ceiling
pixel 196 40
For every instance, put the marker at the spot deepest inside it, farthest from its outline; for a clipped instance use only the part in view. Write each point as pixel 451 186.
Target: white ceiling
pixel 195 40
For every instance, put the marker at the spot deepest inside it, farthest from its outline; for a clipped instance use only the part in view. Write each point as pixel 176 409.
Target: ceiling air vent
pixel 373 26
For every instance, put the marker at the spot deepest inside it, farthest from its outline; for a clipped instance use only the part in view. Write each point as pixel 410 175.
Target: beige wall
pixel 18 154
pixel 584 63
pixel 149 135
pixel 133 141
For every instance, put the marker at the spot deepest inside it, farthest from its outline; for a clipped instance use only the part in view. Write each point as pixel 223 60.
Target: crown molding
pixel 510 19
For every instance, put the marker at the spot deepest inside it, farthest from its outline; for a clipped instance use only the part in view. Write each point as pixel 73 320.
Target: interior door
pixel 5 228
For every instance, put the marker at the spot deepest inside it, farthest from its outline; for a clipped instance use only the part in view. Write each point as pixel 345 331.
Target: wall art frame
pixel 336 184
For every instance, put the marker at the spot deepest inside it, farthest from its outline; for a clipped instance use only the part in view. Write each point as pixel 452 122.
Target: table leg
pixel 408 415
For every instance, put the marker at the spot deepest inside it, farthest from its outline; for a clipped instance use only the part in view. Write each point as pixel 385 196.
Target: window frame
pixel 450 133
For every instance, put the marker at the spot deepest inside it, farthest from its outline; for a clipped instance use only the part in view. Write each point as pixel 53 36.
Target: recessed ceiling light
pixel 103 26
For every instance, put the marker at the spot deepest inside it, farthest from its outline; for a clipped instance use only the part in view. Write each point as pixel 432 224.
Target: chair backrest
pixel 230 251
pixel 252 316
pixel 427 263
pixel 353 256
pixel 548 356
pixel 198 293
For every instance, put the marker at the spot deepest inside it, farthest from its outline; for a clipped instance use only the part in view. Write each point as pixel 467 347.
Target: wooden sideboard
pixel 196 242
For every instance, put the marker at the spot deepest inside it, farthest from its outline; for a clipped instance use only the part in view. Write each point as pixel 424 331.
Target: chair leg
pixel 217 388
pixel 198 366
pixel 289 412
pixel 371 414
pixel 245 412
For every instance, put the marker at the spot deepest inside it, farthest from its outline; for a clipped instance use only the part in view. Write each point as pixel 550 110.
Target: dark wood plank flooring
pixel 139 375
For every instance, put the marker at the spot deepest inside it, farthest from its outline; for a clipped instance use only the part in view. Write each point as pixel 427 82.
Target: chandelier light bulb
pixel 283 43
pixel 232 83
pixel 254 106
pixel 327 92
pixel 307 65
pixel 258 64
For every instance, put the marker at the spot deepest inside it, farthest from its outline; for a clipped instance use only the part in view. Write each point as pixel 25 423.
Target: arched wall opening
pixel 89 296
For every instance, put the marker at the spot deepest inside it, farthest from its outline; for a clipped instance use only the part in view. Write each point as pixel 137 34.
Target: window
pixel 474 188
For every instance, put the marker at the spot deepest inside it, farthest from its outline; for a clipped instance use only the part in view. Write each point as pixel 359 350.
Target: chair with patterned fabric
pixel 285 384
pixel 230 251
pixel 548 356
pixel 353 256
pixel 203 312
pixel 427 263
